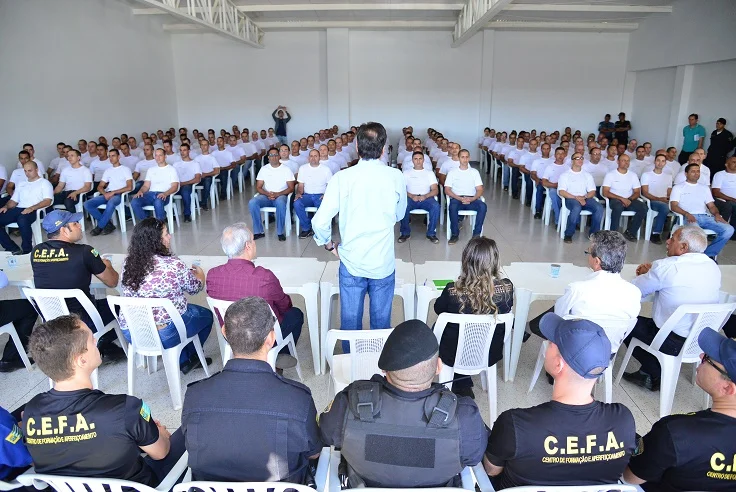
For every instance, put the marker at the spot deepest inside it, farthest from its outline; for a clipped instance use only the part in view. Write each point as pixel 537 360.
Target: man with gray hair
pixel 240 277
pixel 686 276
pixel 249 403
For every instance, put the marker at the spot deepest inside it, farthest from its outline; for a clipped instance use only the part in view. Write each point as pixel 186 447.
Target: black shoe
pixel 282 237
pixel 205 208
pixel 515 197
pixel 403 238
pixel 568 239
pixel 12 365
pixel 453 240
pixel 193 363
pixel 629 237
pixel 434 239
pixel 109 228
pixel 538 215
pixel 187 218
pixel 15 232
pixel 465 391
pixel 258 236
pixel 95 232
pixel 112 353
pixel 306 234
pixel 656 239
pixel 643 380
pixel 506 189
pixel 19 252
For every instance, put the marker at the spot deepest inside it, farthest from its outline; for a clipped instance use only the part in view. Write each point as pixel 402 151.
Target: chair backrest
pixel 704 316
pixel 82 484
pixel 51 303
pixel 616 329
pixel 139 321
pixel 242 487
pixel 577 488
pixel 475 336
pixel 365 350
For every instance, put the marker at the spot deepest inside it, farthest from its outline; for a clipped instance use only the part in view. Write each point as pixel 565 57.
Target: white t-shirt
pixel 576 183
pixel 223 157
pixel 516 155
pixel 726 182
pixel 463 181
pixel 540 164
pixel 657 183
pixel 612 165
pixel 553 172
pixel 314 178
pixel 75 179
pixel 142 167
pixel 98 167
pixel 41 167
pixel 117 177
pixel 342 163
pixel 171 159
pixel 129 161
pixel 260 145
pixel 248 148
pixel 187 170
pixel 448 165
pixel 300 159
pixel 419 182
pixel 598 171
pixel 161 178
pixel 638 166
pixel 528 159
pixel 408 163
pixel 275 178
pixel 28 194
pixel 673 167
pixel 704 178
pixel 17 176
pixel 692 198
pixel 622 184
pixel 207 163
pixel 236 151
pixel 3 176
pixel 333 166
pixel 291 164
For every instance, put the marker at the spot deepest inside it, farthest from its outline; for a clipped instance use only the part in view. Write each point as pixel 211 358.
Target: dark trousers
pixel 106 315
pixel 477 205
pixel 448 349
pixel 206 187
pixel 617 207
pixel 21 313
pixel 645 330
pixel 515 182
pixel 529 189
pixel 62 198
pixel 539 199
pixel 185 192
pixel 729 329
pixel 534 323
pixel 24 224
pixel 292 322
pixel 161 468
pixel 715 163
pixel 726 209
pixel 683 157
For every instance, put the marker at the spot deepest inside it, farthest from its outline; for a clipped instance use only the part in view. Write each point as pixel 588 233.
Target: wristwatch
pixel 331 248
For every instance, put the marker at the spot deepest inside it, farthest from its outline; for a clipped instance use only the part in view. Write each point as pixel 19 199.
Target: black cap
pixel 410 343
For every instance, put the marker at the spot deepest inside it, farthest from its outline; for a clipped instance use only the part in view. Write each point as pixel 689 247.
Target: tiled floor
pixel 519 238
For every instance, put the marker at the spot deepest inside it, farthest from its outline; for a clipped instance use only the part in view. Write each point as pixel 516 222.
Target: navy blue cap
pixel 719 348
pixel 583 344
pixel 58 219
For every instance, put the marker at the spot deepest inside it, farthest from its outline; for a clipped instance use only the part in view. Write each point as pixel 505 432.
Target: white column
pixel 338 78
pixel 680 104
pixel 486 84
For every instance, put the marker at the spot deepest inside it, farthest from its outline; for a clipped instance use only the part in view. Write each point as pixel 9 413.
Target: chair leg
pixel 173 376
pixel 200 353
pixel 19 347
pixel 668 384
pixel 292 351
pixel 93 378
pixel 625 362
pixel 608 376
pixel 538 366
pixel 131 371
pixel 492 392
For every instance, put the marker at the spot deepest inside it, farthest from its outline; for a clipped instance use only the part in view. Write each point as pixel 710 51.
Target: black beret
pixel 410 343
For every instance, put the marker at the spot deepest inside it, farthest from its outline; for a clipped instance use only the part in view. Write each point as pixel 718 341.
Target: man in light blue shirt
pixel 370 198
pixel 693 137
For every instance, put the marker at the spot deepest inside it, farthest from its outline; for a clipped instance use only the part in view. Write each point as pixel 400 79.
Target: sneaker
pixel 629 237
pixel 109 228
pixel 643 380
pixel 568 239
pixel 403 238
pixel 306 234
pixel 453 240
pixel 282 237
pixel 258 236
pixel 95 232
pixel 434 239
pixel 656 239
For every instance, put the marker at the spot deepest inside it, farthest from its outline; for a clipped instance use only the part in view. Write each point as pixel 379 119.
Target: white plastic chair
pixel 193 207
pixel 214 195
pixel 473 345
pixel 472 213
pixel 307 210
pixel 418 211
pixel 218 308
pixel 241 487
pixel 680 221
pixel 361 362
pixel 145 340
pixel 10 330
pixel 495 168
pixel 624 216
pixel 565 213
pixel 120 209
pixel 79 208
pixel 616 330
pixel 614 487
pixel 172 213
pixel 703 316
pixel 287 219
pixel 547 208
pixel 35 227
pixel 651 215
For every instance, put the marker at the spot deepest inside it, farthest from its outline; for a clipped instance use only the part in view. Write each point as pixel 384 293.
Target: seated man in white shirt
pixel 695 159
pixel 30 149
pixel 447 164
pixel 577 188
pixel 33 194
pixel 115 181
pixel 210 169
pixel 274 183
pixel 312 179
pixel 226 160
pixel 342 163
pixel 464 189
pixel 638 164
pixel 551 175
pixel 286 159
pixel 622 188
pixel 99 165
pixel 686 276
pixel 656 186
pixel 421 190
pixel 594 165
pixel 240 158
pixel 161 183
pixel 53 167
pixel 128 158
pixel 604 294
pixel 146 163
pixel 695 202
pixel 190 175
pixel 513 158
pixel 75 180
pixel 724 190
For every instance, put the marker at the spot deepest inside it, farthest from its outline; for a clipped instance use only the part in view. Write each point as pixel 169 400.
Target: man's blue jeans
pixel 556 203
pixel 185 192
pixel 506 174
pixel 352 296
pixel 206 184
pixel 515 183
pixel 149 198
pixel 723 233
pixel 528 190
pixel 24 224
pixel 257 202
pixel 430 205
pixel 300 206
pixel 478 206
pixel 283 139
pixel 539 199
pixel 661 217
pixel 102 216
pixel 591 205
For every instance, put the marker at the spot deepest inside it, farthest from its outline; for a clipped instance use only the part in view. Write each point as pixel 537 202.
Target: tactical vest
pixel 390 441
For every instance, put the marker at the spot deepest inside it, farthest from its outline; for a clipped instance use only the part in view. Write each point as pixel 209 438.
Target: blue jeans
pixel 539 201
pixel 478 206
pixel 300 205
pixel 352 295
pixel 197 320
pixel 223 181
pixel 663 209
pixel 206 184
pixel 102 217
pixel 556 203
pixel 430 205
pixel 24 224
pixel 185 192
pixel 149 198
pixel 515 183
pixel 257 202
pixel 529 189
pixel 505 175
pixel 723 233
pixel 591 205
pixel 283 139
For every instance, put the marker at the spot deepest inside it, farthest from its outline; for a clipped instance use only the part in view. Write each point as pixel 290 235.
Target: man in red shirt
pixel 239 278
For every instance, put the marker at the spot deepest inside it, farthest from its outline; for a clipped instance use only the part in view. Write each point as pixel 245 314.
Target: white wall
pixel 220 82
pixel 60 80
pixel 546 80
pixel 652 104
pixel 712 95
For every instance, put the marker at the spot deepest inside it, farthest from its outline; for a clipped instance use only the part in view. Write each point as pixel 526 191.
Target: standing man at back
pixel 370 198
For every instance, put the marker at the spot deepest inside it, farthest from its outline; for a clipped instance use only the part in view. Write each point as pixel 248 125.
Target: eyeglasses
pixel 577 158
pixel 588 252
pixel 273 155
pixel 710 361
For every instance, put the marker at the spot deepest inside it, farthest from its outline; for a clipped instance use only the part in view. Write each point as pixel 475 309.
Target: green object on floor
pixel 441 284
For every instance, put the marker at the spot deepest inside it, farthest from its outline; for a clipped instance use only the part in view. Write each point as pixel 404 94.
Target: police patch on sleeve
pixel 14 436
pixel 145 412
pixel 95 252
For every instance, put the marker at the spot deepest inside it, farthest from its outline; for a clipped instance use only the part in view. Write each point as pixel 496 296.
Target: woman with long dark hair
pixel 151 270
pixel 479 289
